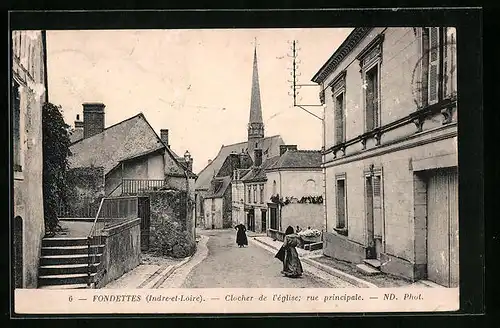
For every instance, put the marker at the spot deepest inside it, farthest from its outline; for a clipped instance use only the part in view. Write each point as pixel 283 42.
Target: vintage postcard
pixel 235 170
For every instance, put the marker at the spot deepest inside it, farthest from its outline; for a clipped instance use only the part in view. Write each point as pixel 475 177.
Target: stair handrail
pixel 90 236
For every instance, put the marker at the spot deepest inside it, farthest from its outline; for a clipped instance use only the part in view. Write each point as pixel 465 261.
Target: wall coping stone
pixel 120 227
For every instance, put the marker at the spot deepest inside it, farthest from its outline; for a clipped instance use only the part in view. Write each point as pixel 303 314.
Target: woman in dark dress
pixel 292 267
pixel 241 237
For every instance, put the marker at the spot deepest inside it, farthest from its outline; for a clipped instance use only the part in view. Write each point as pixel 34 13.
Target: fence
pixel 134 186
pixel 85 207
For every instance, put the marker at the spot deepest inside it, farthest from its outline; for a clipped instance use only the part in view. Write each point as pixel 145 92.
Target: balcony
pixel 136 186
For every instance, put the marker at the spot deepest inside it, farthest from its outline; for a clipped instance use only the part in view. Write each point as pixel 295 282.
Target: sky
pixel 196 83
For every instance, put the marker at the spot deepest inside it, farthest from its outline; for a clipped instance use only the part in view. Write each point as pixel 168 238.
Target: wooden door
pixel 263 221
pixel 144 214
pixel 369 219
pixel 442 228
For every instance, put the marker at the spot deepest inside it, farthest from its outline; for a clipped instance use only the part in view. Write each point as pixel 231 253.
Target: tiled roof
pixel 259 173
pixel 130 138
pixel 218 188
pixel 270 144
pixel 298 159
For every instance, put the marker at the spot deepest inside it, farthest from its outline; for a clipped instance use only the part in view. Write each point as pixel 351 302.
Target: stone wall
pixel 123 249
pixel 172 225
pixel 302 215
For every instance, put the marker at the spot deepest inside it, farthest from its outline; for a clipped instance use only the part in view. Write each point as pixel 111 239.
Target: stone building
pixel 125 158
pixel 294 189
pixel 391 152
pixel 269 147
pixel 28 93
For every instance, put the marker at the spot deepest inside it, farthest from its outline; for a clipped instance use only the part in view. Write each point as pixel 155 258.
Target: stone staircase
pixel 369 267
pixel 64 263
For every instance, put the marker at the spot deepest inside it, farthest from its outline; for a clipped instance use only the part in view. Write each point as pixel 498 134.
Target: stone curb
pixel 334 272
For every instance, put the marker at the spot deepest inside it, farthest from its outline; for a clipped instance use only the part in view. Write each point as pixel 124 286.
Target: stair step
pixel 69 286
pixel 46 270
pixel 68 259
pixel 366 269
pixel 70 250
pixel 373 262
pixel 64 241
pixel 64 279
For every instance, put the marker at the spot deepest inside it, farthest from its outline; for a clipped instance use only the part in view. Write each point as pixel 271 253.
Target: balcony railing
pixel 135 186
pixel 444 107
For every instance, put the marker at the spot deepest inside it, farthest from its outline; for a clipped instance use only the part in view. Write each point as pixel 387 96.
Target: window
pixel 338 92
pixel 339 119
pixel 438 64
pixel 341 194
pixel 261 193
pixel 255 194
pixel 370 60
pixel 249 196
pixel 274 188
pixel 372 98
pixel 16 126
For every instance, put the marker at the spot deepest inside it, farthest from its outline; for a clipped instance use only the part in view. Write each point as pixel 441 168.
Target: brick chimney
pixel 284 148
pixel 78 131
pixel 93 119
pixel 189 161
pixel 164 137
pixel 258 157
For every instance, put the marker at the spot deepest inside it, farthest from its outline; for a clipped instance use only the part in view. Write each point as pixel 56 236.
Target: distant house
pixel 256 140
pixel 28 94
pixel 218 200
pixel 254 186
pixel 294 189
pixel 125 158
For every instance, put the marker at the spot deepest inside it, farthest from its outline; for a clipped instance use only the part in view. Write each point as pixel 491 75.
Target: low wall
pixel 276 234
pixel 172 225
pixel 123 249
pixel 341 248
pixel 302 215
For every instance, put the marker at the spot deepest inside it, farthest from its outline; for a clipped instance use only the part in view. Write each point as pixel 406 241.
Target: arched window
pixel 274 187
pixel 310 186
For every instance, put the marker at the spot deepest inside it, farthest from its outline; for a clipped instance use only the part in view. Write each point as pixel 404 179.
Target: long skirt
pixel 241 238
pixel 292 266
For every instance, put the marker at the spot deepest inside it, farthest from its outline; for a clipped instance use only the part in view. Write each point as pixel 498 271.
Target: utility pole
pixel 296 86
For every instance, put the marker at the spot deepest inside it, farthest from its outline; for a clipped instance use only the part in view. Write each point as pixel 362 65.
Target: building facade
pixel 28 94
pixel 294 190
pixel 391 151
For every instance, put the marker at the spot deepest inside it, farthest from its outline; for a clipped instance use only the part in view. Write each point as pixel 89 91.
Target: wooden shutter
pixel 433 65
pixel 449 62
pixel 341 204
pixel 377 207
pixel 339 118
pixel 370 98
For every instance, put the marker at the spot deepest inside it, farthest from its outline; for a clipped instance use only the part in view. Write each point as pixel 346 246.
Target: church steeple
pixel 255 124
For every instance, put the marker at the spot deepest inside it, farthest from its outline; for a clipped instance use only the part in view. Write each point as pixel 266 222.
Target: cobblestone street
pixel 229 266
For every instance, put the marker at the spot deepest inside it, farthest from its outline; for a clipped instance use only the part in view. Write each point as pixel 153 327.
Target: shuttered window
pixel 372 98
pixel 261 193
pixel 434 62
pixel 450 62
pixel 339 119
pixel 341 204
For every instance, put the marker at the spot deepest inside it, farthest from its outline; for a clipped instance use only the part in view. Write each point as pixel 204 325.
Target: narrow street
pixel 229 266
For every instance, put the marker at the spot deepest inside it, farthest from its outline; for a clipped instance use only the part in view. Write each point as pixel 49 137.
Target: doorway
pixel 442 227
pixel 18 252
pixel 251 220
pixel 263 221
pixel 374 217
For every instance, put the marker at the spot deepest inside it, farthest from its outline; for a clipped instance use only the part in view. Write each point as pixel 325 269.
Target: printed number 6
pixel 71 298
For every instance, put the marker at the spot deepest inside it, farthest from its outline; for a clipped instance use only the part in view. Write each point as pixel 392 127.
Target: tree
pixel 56 142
